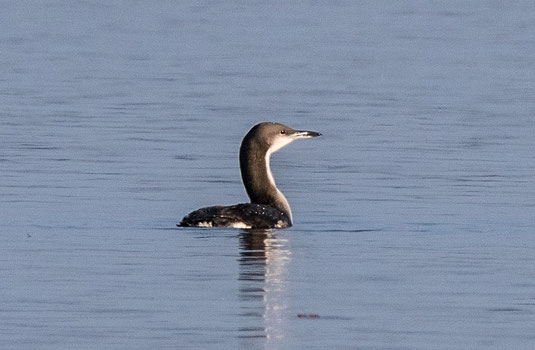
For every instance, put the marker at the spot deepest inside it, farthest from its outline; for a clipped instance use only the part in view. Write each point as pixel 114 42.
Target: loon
pixel 268 208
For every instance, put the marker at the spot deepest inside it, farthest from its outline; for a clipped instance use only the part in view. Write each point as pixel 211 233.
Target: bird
pixel 268 207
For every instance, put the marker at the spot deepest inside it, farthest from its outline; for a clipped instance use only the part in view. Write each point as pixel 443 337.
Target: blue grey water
pixel 414 212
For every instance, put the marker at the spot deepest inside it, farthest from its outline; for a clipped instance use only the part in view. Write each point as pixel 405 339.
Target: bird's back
pixel 245 215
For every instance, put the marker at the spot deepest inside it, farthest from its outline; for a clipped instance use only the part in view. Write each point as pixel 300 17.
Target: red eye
pixel 283 132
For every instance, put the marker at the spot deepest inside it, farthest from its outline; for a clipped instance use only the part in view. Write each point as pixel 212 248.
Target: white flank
pixel 205 224
pixel 240 225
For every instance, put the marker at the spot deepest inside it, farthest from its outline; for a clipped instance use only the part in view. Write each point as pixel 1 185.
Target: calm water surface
pixel 414 213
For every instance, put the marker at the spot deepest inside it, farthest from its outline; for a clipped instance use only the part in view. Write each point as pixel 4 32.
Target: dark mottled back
pixel 254 215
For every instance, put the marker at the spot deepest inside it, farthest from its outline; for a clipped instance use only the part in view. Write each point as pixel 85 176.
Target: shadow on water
pixel 263 269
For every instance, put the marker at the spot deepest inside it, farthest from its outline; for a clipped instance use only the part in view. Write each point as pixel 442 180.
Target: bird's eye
pixel 283 132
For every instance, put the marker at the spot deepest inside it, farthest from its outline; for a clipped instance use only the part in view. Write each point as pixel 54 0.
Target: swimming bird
pixel 268 207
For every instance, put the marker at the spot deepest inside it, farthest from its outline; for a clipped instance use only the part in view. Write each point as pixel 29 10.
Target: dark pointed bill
pixel 304 133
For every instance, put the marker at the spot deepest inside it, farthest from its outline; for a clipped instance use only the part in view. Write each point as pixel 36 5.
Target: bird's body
pixel 244 215
pixel 269 208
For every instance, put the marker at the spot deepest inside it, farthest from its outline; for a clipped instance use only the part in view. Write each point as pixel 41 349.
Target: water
pixel 414 213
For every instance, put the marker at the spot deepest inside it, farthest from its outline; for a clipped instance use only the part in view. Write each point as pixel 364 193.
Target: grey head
pixel 270 137
pixel 255 152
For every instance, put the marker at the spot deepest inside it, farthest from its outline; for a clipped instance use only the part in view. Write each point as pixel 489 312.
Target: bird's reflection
pixel 264 260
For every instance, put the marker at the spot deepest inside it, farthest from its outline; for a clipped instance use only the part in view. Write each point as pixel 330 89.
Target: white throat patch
pixel 280 142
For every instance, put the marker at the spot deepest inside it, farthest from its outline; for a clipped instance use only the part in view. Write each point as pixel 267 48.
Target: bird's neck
pixel 257 177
